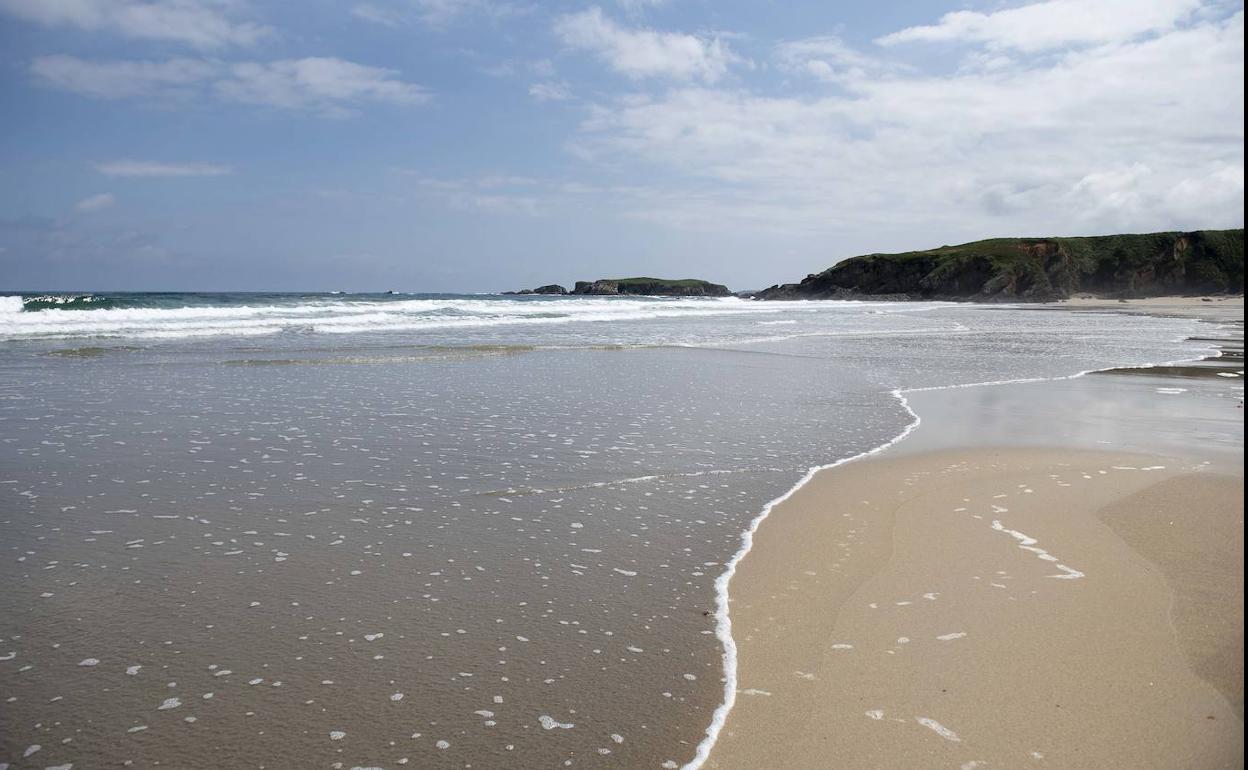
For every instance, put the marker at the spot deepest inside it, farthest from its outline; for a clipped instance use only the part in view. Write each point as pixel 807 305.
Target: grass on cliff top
pixel 1131 248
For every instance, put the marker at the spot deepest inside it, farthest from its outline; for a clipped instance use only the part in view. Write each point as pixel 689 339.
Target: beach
pixel 450 531
pixel 1045 574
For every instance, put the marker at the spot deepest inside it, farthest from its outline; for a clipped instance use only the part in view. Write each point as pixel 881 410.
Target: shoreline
pixel 720 747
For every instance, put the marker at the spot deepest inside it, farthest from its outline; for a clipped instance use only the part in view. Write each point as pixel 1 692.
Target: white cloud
pixel 328 86
pixel 120 79
pixel 828 58
pixel 95 203
pixel 199 23
pixel 550 91
pixel 149 168
pixel 643 53
pixel 636 7
pixel 387 17
pixel 1143 135
pixel 1053 24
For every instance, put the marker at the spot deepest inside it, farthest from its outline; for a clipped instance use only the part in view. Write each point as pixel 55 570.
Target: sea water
pixel 276 530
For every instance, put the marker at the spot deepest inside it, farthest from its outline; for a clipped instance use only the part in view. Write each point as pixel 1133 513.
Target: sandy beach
pixel 998 591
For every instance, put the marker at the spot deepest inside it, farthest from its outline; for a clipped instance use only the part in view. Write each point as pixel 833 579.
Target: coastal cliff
pixel 1011 269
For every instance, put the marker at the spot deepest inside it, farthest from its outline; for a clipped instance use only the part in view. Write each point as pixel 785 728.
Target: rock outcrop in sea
pixel 684 287
pixel 662 287
pixel 550 288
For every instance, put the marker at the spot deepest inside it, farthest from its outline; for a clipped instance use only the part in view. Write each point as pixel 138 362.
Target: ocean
pixel 434 531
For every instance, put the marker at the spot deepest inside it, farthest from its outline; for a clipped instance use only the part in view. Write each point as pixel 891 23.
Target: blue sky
pixel 470 145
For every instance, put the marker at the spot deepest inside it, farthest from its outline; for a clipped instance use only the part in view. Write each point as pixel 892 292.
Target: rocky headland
pixel 1038 269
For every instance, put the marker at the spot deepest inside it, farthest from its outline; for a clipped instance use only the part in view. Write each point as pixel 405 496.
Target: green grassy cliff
pixel 1199 262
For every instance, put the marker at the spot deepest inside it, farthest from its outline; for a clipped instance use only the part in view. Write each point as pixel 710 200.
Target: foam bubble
pixel 550 723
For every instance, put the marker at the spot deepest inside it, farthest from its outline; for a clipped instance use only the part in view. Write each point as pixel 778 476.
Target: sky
pixel 474 145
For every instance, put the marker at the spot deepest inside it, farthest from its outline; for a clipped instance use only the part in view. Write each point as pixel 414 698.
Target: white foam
pixel 345 316
pixel 550 723
pixel 723 623
pixel 938 728
pixel 1028 543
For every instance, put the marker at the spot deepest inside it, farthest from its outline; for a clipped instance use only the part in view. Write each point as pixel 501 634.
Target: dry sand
pixel 991 607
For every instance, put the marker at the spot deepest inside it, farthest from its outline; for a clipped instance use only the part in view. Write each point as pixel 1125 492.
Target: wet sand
pixel 1005 591
pixel 1217 307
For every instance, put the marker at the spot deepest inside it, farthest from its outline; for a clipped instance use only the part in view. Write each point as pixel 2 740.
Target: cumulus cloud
pixel 150 168
pixel 645 53
pixel 95 203
pixel 326 85
pixel 1145 134
pixel 199 23
pixel 828 58
pixel 1053 24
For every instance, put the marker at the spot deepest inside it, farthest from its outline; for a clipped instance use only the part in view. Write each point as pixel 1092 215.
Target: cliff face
pixel 1204 261
pixel 686 287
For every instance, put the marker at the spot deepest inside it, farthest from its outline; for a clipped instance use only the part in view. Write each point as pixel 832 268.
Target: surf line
pixel 723 621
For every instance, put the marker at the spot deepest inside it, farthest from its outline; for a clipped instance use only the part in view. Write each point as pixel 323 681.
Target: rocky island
pixel 550 288
pixel 655 287
pixel 1038 269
